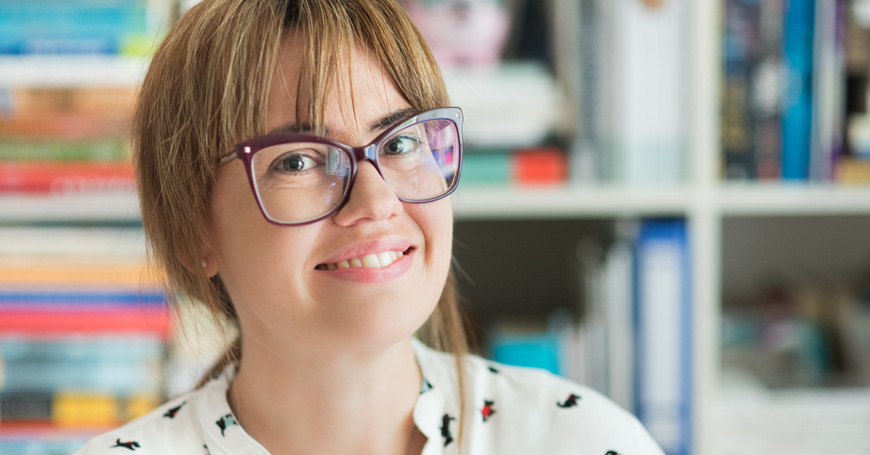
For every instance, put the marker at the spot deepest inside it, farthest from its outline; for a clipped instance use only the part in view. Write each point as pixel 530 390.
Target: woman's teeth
pixel 369 261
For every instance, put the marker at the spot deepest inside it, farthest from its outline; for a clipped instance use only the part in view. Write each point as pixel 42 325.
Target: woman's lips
pixel 378 260
pixel 371 274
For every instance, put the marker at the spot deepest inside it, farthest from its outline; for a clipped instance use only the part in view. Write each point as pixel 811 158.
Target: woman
pixel 295 159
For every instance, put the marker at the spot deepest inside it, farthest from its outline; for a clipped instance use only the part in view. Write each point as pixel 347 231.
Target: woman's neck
pixel 317 400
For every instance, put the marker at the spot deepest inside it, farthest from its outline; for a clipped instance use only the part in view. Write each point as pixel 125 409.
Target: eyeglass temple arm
pixel 227 158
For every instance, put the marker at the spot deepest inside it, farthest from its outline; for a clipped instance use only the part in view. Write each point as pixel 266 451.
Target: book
pixel 740 49
pixel 72 409
pixel 97 101
pixel 829 80
pixel 66 177
pixel 46 324
pixel 798 105
pixel 663 333
pixel 47 148
pixel 114 27
pixel 650 50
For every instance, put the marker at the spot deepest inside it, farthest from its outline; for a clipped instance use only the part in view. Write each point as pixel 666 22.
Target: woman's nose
pixel 371 198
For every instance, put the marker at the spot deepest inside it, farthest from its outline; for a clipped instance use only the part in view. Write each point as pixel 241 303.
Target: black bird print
pixel 445 429
pixel 493 370
pixel 225 422
pixel 206 449
pixel 487 410
pixel 612 452
pixel 132 445
pixel 425 386
pixel 171 413
pixel 570 402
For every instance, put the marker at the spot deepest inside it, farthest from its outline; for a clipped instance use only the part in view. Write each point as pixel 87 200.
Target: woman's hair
pixel 207 88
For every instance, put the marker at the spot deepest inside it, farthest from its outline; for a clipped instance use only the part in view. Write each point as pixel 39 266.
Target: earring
pixel 204 263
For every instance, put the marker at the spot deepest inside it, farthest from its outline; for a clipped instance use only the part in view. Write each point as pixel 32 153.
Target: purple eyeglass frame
pixel 246 150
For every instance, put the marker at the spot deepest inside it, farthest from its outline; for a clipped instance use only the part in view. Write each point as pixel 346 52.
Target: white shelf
pixel 490 202
pixel 792 200
pixel 796 422
pixel 72 71
pixel 477 202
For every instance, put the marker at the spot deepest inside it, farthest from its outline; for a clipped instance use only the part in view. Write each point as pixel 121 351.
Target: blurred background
pixel 667 200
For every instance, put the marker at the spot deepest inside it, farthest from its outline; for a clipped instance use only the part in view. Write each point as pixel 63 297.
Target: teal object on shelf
pixel 536 351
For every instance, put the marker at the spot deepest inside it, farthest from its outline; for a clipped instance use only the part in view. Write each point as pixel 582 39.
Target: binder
pixel 663 331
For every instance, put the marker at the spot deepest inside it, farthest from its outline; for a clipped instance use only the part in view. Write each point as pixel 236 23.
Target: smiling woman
pixel 295 160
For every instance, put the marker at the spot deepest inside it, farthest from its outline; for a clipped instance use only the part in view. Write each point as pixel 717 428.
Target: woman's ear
pixel 209 262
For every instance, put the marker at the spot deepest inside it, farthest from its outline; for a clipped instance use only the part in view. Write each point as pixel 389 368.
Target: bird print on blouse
pixel 425 386
pixel 570 402
pixel 225 422
pixel 172 412
pixel 487 410
pixel 493 370
pixel 612 452
pixel 132 445
pixel 207 452
pixel 445 429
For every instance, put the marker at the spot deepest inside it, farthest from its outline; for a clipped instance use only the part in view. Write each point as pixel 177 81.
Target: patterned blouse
pixel 513 411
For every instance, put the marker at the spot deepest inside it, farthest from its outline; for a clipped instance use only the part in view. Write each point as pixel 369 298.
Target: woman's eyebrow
pixel 391 118
pixel 378 125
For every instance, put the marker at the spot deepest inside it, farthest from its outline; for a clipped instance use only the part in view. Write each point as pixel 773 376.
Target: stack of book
pixel 82 336
pixel 65 140
pixel 790 101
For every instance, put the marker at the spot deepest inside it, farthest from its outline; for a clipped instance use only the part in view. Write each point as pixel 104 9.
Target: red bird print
pixel 487 410
pixel 570 402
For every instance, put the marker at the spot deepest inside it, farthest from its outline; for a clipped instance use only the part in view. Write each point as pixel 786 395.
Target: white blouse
pixel 512 411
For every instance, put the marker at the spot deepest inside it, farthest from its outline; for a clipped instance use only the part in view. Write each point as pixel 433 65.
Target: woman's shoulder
pixel 531 406
pixel 172 428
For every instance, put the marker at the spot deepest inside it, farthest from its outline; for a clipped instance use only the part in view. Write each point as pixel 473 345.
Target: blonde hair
pixel 206 90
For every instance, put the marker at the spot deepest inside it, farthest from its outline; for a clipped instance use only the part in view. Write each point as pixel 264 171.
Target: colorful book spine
pixel 106 299
pixel 66 177
pixel 741 30
pixel 767 98
pixel 828 127
pixel 798 108
pixel 524 167
pixel 71 410
pixel 47 324
pixel 64 28
pixel 49 148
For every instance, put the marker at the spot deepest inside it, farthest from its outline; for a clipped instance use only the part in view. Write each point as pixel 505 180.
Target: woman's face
pixel 279 277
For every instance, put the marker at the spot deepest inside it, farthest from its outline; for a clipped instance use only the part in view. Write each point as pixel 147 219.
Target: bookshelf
pixel 716 213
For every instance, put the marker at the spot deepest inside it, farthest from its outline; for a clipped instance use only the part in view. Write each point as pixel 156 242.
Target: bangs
pixel 330 30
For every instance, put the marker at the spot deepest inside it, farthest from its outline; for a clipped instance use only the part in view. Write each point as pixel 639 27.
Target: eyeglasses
pixel 301 178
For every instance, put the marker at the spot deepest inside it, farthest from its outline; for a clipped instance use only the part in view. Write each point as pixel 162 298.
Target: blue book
pixel 22 299
pixel 798 107
pixel 55 27
pixel 663 334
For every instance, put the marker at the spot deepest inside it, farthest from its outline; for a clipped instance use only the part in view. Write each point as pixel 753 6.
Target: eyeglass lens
pixel 301 181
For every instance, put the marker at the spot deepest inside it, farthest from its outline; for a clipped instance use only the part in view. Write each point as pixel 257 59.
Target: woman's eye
pixel 401 145
pixel 294 163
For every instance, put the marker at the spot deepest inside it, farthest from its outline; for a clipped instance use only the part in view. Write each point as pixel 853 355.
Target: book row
pixel 792 108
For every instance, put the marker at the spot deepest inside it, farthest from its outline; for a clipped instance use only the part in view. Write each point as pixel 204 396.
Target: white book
pixel 649 92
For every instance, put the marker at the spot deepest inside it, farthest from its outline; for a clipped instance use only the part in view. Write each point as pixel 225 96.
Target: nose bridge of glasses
pixel 368 153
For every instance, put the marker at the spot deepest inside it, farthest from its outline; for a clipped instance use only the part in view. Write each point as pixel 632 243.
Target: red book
pixel 60 177
pixel 71 321
pixel 539 166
